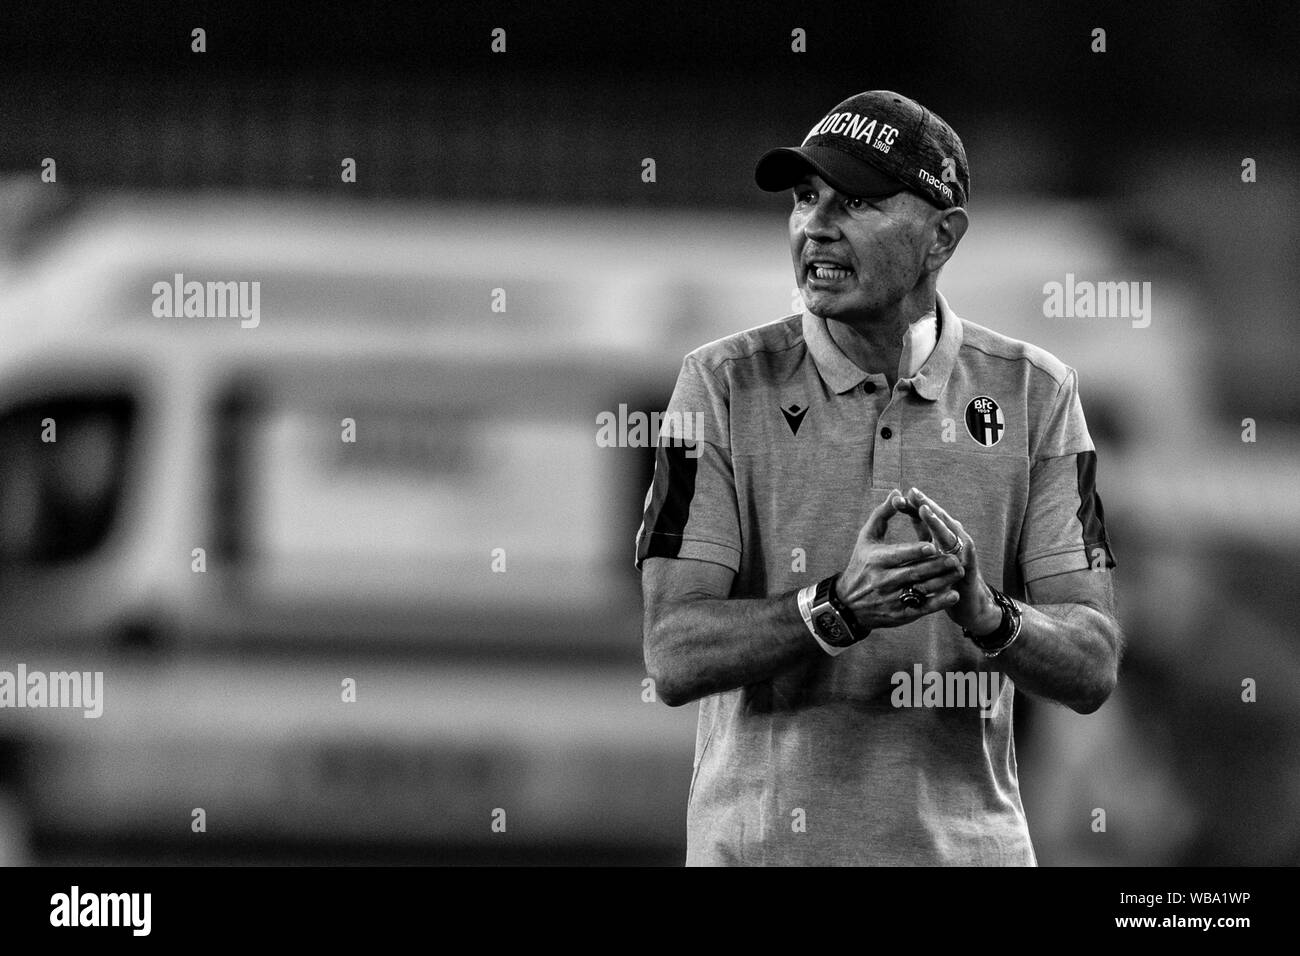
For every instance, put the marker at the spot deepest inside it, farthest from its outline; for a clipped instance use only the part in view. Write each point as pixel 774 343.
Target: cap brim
pixel 787 166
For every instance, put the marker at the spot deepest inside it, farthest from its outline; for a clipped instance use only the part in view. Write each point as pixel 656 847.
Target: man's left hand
pixel 975 610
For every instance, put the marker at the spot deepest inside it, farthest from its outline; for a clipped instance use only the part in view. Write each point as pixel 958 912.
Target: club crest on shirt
pixel 984 421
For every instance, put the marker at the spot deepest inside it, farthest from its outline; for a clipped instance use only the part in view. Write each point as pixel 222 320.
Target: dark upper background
pixel 583 83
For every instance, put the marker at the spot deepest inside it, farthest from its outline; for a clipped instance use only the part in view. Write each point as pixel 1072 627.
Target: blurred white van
pixel 356 585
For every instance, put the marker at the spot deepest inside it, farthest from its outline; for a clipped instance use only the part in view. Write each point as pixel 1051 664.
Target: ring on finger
pixel 912 598
pixel 956 550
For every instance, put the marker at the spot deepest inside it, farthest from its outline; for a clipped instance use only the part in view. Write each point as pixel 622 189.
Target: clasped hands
pixel 888 585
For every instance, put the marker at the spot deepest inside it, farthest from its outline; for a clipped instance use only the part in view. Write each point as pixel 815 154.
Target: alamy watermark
pixel 208 300
pixel 921 688
pixel 73 690
pixel 1085 299
pixel 624 429
pixel 75 908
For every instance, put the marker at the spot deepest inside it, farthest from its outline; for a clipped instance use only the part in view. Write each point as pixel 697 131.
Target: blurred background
pixel 499 274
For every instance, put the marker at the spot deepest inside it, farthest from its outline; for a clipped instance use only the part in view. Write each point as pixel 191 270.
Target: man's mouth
pixel 828 271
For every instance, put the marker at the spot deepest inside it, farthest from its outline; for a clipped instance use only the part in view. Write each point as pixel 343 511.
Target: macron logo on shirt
pixel 794 414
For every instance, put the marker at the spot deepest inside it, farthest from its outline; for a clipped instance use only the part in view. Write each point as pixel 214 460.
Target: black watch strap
pixel 840 606
pixel 827 628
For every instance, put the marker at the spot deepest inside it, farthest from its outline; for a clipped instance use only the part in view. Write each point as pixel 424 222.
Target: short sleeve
pixel 690 508
pixel 1064 528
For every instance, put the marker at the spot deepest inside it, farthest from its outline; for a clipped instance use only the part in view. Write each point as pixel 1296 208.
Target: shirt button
pixel 869 387
pixel 886 432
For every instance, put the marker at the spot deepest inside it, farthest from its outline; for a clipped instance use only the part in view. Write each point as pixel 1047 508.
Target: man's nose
pixel 822 223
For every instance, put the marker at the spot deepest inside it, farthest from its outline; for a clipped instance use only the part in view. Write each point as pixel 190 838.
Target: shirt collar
pixel 922 336
pixel 928 381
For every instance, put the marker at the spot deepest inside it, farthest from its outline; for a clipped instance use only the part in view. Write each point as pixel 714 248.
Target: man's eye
pixel 804 195
pixel 857 203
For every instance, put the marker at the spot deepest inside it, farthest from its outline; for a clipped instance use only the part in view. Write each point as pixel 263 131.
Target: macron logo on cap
pixel 935 183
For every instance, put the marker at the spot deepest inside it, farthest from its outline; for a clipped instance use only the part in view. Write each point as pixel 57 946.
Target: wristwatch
pixel 994 644
pixel 830 621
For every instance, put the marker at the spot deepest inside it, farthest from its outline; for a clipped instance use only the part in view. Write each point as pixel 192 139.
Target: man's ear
pixel 949 226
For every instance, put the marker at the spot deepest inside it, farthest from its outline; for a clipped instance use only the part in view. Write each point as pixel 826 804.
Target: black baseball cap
pixel 875 144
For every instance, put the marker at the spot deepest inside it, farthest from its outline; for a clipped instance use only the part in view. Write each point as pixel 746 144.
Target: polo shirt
pixel 836 760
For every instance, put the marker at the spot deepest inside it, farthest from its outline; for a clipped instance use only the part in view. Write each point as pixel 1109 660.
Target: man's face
pixel 855 257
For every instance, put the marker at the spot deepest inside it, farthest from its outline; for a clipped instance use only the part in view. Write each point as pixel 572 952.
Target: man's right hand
pixel 878 573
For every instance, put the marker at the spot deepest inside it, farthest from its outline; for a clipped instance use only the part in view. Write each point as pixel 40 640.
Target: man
pixel 889 518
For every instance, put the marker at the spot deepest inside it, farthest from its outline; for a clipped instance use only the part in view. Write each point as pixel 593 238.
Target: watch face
pixel 832 630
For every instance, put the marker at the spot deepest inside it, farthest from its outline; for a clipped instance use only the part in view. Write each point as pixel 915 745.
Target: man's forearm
pixel 1068 653
pixel 710 645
